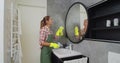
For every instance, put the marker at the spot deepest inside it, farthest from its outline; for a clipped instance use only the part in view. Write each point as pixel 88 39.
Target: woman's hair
pixel 44 20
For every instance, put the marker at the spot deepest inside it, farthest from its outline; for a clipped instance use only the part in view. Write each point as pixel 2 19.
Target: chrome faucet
pixel 69 46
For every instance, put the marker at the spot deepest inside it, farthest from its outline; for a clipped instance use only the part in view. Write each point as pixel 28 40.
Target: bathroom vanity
pixel 62 55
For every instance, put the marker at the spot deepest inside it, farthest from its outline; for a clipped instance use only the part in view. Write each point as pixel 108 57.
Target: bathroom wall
pixel 1 31
pixel 32 12
pixel 57 9
pixel 96 51
pixel 7 29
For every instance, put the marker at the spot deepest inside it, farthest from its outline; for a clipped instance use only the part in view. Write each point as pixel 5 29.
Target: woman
pixel 46 40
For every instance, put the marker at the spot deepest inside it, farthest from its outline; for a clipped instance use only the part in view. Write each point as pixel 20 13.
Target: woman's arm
pixel 42 40
pixel 45 44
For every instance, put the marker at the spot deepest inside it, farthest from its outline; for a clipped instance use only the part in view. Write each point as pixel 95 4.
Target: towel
pixel 81 60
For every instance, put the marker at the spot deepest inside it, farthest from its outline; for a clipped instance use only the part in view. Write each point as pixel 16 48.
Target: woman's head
pixel 47 20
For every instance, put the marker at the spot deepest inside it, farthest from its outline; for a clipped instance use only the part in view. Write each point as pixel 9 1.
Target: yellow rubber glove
pixel 60 31
pixel 76 31
pixel 54 45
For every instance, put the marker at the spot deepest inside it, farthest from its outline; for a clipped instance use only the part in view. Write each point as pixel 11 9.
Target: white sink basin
pixel 62 53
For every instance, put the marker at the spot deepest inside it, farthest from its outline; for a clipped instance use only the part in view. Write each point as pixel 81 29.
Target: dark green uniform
pixel 46 51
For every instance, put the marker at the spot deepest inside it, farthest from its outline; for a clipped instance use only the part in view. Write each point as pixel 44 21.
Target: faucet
pixel 69 46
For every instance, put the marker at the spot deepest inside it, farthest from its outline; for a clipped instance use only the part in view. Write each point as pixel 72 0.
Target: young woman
pixel 46 40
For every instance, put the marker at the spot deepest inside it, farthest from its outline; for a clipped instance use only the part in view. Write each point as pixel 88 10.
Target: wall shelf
pixel 107 28
pixel 102 16
pixel 97 24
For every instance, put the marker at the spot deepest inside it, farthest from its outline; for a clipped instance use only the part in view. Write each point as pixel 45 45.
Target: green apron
pixel 46 51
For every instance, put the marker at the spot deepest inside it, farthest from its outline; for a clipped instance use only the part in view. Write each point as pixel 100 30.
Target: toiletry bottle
pixel 108 23
pixel 116 22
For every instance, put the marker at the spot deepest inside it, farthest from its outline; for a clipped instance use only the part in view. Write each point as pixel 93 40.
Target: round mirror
pixel 76 22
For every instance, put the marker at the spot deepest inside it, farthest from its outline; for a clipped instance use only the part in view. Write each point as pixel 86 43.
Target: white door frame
pixel 1 31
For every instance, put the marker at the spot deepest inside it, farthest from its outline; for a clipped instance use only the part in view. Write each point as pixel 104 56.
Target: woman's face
pixel 50 22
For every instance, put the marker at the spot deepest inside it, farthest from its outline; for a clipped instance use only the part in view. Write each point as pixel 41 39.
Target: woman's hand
pixel 54 45
pixel 60 31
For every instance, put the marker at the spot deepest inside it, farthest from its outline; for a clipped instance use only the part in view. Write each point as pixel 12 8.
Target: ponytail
pixel 43 22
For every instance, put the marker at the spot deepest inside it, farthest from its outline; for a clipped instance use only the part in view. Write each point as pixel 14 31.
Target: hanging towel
pixel 81 60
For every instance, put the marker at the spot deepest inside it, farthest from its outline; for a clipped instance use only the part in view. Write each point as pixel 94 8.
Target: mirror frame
pixel 66 21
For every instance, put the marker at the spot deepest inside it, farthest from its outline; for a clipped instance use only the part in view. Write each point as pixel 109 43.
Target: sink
pixel 62 52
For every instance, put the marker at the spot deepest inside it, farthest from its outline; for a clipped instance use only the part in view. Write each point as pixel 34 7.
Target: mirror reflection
pixel 76 22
